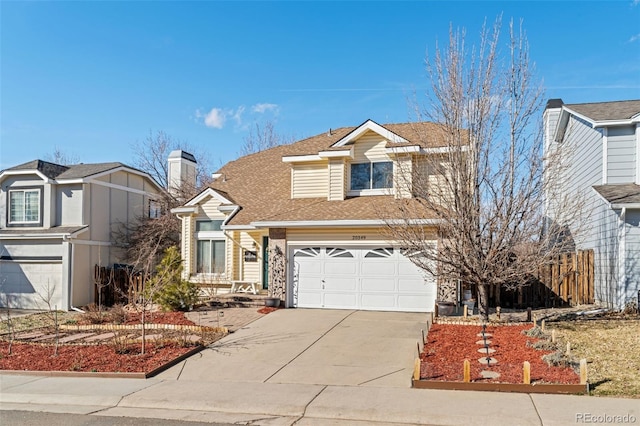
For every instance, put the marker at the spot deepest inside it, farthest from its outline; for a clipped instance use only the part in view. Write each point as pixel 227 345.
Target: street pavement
pixel 304 367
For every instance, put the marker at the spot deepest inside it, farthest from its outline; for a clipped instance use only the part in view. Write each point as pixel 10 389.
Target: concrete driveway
pixel 313 346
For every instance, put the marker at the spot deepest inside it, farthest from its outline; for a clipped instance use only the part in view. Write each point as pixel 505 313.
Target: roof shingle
pixel 603 111
pixel 260 183
pixel 627 193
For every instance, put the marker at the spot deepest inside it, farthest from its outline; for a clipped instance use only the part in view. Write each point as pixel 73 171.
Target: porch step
pixel 238 300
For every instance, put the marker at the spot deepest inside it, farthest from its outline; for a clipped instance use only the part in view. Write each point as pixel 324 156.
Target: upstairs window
pixel 24 206
pixel 208 225
pixel 371 176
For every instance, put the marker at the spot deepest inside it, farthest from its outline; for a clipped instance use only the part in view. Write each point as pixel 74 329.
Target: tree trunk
pixel 483 301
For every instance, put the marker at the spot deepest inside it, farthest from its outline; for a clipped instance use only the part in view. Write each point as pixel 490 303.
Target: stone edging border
pixel 111 327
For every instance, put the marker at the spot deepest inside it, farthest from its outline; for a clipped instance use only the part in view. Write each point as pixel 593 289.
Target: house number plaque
pixel 358 237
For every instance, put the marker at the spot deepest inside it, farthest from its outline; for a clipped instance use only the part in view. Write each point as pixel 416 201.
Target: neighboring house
pixel 603 166
pixel 320 203
pixel 56 224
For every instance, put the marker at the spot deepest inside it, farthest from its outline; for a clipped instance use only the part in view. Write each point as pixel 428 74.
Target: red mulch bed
pixel 267 310
pixel 96 358
pixel 449 345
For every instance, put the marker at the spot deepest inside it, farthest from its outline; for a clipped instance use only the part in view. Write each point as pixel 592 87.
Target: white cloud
pixel 262 108
pixel 634 38
pixel 214 118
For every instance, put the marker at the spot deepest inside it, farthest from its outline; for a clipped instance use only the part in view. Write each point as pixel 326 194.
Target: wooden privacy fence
pixel 116 285
pixel 565 280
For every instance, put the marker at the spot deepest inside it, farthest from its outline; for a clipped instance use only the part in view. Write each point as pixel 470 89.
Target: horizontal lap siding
pixel 621 155
pixel 336 179
pixel 309 180
pixel 209 210
pixel 251 242
pixel 370 147
pixel 583 150
pixel 632 262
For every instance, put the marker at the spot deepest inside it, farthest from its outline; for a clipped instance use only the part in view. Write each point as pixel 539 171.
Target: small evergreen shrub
pixel 177 296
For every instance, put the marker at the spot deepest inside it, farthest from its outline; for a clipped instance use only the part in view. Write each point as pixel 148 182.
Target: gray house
pixel 56 223
pixel 603 167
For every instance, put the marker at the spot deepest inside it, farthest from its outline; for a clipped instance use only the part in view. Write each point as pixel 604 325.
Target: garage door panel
pixel 342 284
pixel 312 283
pixel 310 299
pixel 308 266
pixel 382 284
pixel 340 267
pixel 378 301
pixel 371 267
pixel 339 300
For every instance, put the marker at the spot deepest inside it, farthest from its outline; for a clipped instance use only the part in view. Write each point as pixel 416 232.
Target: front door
pixel 265 263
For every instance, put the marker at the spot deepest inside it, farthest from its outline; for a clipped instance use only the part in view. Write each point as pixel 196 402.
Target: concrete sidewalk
pixel 302 404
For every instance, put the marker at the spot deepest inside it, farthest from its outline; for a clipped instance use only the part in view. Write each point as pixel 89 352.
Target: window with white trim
pixel 369 177
pixel 24 206
pixel 210 257
pixel 210 247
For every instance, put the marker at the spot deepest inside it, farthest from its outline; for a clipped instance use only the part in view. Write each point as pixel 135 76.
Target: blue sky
pixel 92 78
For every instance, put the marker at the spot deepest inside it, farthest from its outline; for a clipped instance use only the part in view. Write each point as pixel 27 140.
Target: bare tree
pixel 150 155
pixel 58 156
pixel 263 136
pixel 487 183
pixel 148 237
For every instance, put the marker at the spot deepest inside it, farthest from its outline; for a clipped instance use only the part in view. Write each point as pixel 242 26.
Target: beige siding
pixel 309 180
pixel 370 147
pixel 233 259
pixel 403 176
pixel 209 209
pixel 336 179
pixel 250 242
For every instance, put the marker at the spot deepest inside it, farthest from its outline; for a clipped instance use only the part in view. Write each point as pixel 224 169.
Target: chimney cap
pixel 178 153
pixel 554 103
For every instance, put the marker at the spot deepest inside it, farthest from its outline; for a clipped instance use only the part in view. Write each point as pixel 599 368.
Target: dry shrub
pixel 117 314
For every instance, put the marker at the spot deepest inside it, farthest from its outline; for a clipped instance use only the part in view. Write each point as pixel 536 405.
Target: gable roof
pixel 260 183
pixel 50 170
pixel 76 171
pixel 605 111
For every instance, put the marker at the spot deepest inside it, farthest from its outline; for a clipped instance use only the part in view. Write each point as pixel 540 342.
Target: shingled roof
pixel 604 111
pixel 627 193
pixel 75 171
pixel 261 183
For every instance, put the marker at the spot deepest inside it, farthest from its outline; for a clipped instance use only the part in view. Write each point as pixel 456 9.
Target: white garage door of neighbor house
pixel 31 285
pixel 369 278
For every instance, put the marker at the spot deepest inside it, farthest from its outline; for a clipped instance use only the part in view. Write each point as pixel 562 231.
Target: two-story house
pixel 57 223
pixel 602 167
pixel 322 203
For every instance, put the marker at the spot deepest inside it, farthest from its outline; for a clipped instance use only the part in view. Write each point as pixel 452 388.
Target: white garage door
pixel 376 278
pixel 30 284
